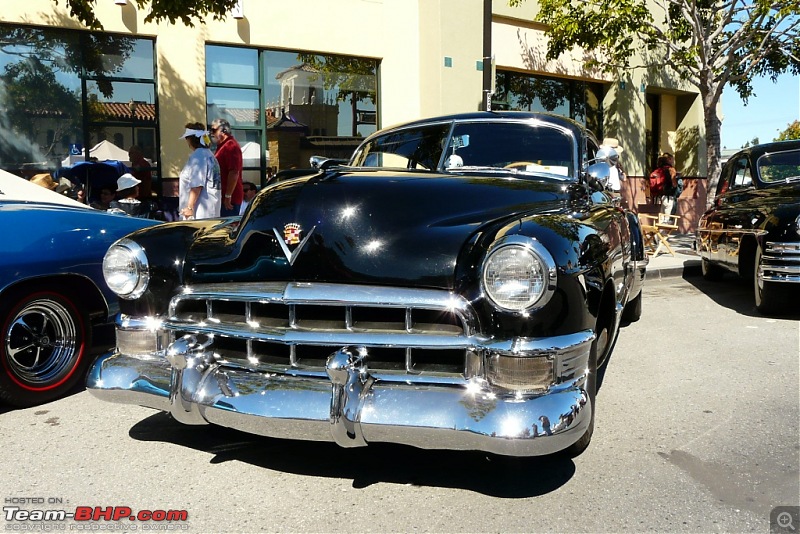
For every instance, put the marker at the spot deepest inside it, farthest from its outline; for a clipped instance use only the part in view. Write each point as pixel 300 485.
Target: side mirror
pixel 599 173
pixel 607 154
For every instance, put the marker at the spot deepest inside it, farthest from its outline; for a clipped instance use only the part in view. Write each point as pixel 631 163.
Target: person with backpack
pixel 664 183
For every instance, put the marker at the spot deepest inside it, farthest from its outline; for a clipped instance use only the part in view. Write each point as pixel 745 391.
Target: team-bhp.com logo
pixel 97 513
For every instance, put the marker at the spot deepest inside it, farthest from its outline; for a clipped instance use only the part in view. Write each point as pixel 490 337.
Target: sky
pixel 774 106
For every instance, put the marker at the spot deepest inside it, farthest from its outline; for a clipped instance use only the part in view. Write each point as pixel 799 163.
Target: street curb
pixel 689 268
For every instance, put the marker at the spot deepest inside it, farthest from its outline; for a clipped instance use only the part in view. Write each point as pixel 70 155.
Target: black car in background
pixel 753 227
pixel 457 284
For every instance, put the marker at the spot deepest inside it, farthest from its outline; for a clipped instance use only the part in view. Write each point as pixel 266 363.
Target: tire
pixel 633 309
pixel 44 347
pixel 771 297
pixel 591 392
pixel 711 272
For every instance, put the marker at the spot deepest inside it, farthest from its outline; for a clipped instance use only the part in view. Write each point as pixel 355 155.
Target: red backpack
pixel 658 181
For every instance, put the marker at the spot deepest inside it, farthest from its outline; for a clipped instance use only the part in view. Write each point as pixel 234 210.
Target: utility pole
pixel 487 56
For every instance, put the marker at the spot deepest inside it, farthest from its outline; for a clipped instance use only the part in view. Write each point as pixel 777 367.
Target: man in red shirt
pixel 229 156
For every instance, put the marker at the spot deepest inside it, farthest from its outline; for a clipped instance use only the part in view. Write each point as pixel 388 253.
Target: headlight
pixel 126 270
pixel 518 274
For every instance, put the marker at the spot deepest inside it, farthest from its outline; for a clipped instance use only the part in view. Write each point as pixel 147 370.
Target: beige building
pixel 310 76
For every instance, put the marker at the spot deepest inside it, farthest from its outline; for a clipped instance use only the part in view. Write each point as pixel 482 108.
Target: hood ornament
pixel 291 236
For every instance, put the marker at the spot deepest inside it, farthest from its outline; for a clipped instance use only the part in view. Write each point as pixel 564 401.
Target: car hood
pixel 367 227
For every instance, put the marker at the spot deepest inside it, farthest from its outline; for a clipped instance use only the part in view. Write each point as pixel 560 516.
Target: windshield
pixel 412 148
pixel 779 167
pixel 479 146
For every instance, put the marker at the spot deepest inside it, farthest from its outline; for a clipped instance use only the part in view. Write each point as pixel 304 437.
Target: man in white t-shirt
pixel 617 174
pixel 200 180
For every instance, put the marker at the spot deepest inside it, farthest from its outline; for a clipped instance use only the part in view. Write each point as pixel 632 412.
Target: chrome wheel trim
pixel 757 280
pixel 602 345
pixel 41 342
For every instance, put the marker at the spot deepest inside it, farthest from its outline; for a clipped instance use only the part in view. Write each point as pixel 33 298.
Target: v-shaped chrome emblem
pixel 291 255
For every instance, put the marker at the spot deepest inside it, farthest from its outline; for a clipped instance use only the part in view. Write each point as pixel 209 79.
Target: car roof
pixel 13 187
pixel 765 148
pixel 489 115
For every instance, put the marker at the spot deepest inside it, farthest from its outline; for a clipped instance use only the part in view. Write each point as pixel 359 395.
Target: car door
pixel 733 217
pixel 712 227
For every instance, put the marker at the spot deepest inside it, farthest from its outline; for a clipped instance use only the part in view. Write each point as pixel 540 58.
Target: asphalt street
pixel 697 431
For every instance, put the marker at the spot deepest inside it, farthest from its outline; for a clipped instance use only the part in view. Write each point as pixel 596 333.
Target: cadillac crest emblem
pixel 291 236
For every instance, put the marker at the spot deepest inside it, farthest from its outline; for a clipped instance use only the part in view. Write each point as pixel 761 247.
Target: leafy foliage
pixel 792 131
pixel 705 42
pixel 709 44
pixel 187 11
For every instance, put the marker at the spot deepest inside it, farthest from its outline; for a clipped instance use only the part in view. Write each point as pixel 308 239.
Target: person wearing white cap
pixel 617 173
pixel 200 180
pixel 127 201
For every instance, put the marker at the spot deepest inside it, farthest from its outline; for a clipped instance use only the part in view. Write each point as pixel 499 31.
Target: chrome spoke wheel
pixel 41 343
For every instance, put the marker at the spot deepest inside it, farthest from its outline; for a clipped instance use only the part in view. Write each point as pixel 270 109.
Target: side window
pixel 742 177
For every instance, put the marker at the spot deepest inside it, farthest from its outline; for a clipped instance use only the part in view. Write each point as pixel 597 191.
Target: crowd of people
pixel 209 185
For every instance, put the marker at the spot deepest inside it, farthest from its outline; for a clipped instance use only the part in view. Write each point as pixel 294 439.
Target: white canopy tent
pixel 251 154
pixel 104 150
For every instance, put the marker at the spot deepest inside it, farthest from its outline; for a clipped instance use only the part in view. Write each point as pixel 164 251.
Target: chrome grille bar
pixel 425 325
pixel 780 263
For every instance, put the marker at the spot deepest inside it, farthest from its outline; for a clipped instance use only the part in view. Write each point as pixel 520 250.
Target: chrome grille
pixel 780 263
pixel 285 326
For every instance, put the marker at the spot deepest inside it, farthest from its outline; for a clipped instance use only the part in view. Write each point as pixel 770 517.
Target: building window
pixel 81 89
pixel 576 99
pixel 286 106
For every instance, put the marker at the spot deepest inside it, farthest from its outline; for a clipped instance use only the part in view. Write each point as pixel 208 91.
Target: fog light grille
pixel 520 374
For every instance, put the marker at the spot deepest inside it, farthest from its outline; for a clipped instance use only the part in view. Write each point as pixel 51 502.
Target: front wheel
pixel 44 347
pixel 771 297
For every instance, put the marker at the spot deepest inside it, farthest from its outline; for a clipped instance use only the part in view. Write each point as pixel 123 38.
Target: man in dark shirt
pixel 229 156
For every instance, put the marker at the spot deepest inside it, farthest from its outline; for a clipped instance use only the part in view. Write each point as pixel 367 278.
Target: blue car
pixel 52 292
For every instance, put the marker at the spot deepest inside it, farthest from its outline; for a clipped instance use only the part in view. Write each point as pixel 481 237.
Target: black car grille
pixel 781 262
pixel 285 326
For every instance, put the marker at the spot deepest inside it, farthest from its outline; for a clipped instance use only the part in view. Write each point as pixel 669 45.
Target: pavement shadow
pixel 736 293
pixel 497 476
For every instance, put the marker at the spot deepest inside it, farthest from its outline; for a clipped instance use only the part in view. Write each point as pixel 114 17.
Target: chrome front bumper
pixel 352 406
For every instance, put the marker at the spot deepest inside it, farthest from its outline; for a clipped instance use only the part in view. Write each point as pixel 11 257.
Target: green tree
pixel 709 44
pixel 187 11
pixel 792 131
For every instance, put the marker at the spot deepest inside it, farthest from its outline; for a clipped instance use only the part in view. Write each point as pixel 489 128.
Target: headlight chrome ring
pixel 126 269
pixel 518 274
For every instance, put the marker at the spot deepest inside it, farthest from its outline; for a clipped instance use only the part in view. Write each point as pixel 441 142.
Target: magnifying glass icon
pixel 784 520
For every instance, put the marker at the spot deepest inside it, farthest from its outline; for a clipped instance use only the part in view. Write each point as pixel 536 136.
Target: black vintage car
pixel 753 227
pixel 456 285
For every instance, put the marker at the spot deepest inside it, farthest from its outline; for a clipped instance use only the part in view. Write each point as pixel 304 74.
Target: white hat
pixel 126 181
pixel 613 143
